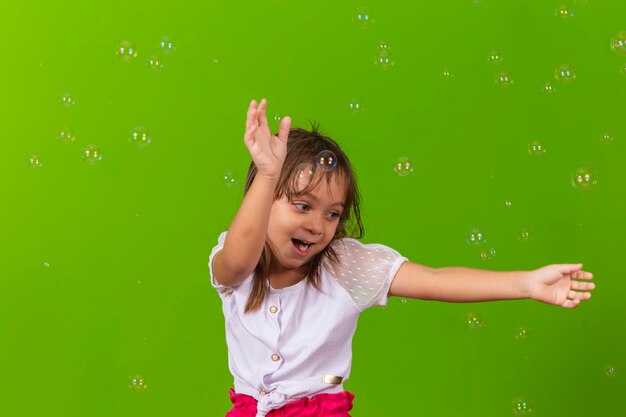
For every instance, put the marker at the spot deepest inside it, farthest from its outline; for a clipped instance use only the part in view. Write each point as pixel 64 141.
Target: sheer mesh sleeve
pixel 222 290
pixel 365 270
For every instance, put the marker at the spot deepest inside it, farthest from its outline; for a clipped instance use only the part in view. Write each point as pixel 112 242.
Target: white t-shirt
pixel 299 343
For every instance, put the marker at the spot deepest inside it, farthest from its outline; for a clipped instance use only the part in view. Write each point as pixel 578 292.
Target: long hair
pixel 302 148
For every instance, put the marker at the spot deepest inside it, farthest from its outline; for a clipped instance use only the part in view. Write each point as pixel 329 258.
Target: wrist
pixel 525 284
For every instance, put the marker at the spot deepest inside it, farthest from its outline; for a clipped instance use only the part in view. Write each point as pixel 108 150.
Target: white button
pixel 275 357
pixel 273 309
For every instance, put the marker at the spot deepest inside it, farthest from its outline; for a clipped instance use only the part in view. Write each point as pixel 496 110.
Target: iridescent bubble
pixel 403 166
pixel 503 79
pixel 548 88
pixel 522 406
pixel 362 18
pixel 46 264
pixel 565 73
pixel 91 154
pixel 494 57
pixel 536 148
pixel 525 235
pixel 68 100
pixel 126 50
pixel 355 105
pixel 326 160
pixel 383 46
pixel 230 180
pixel 606 137
pixel 154 62
pixel 474 321
pixel 508 204
pixel 34 161
pixel 139 136
pixel 610 370
pixel 475 237
pixel 522 333
pixel 564 11
pixel 446 74
pixel 618 43
pixel 305 172
pixel 487 254
pixel 584 178
pixel 166 46
pixel 137 383
pixel 66 135
pixel 384 59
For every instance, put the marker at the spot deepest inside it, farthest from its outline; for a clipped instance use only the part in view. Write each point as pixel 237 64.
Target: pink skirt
pixel 321 405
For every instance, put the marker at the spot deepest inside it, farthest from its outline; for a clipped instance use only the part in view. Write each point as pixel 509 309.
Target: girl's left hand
pixel 554 284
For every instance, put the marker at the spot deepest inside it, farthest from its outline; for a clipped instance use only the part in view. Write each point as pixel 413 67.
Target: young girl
pixel 293 278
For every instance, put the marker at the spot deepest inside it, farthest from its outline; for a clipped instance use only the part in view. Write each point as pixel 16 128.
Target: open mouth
pixel 301 247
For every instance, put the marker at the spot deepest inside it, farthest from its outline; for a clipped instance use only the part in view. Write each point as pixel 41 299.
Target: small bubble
pixel 584 178
pixel 548 88
pixel 524 235
pixel 474 321
pixel 403 166
pixel 326 160
pixel 139 136
pixel 536 148
pixel 504 79
pixel 34 161
pixel 126 50
pixel 67 100
pixel 137 383
pixel 522 406
pixel 46 264
pixel 383 46
pixel 508 204
pixel 610 370
pixel 355 106
pixel 362 18
pixel 166 45
pixel 494 57
pixel 384 60
pixel 606 137
pixel 618 43
pixel 487 254
pixel 446 74
pixel 564 11
pixel 91 154
pixel 565 73
pixel 522 333
pixel 154 62
pixel 66 135
pixel 475 237
pixel 230 179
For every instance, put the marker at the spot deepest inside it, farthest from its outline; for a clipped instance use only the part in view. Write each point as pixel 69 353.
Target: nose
pixel 314 225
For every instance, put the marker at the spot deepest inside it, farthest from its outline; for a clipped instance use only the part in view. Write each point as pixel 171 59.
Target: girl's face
pixel 312 218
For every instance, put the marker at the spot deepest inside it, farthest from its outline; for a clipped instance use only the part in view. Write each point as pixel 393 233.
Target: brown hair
pixel 302 148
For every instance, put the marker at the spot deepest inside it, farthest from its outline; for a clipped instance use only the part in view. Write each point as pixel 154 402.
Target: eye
pixel 301 204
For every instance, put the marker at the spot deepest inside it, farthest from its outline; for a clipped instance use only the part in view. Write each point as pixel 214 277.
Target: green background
pixel 103 271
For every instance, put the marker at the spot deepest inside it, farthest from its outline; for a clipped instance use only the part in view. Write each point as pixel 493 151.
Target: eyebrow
pixel 316 200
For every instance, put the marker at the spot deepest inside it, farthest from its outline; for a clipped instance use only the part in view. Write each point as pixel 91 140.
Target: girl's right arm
pixel 247 234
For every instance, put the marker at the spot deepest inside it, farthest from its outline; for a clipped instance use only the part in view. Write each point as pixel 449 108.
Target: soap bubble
pixel 618 43
pixel 606 137
pixel 403 166
pixel 536 148
pixel 46 264
pixel 522 406
pixel 487 254
pixel 362 18
pixel 584 178
pixel 610 370
pixel 522 333
pixel 525 235
pixel 139 136
pixel 474 321
pixel 384 59
pixel 475 237
pixel 68 100
pixel 34 161
pixel 565 73
pixel 230 179
pixel 66 135
pixel 137 383
pixel 564 11
pixel 503 79
pixel 494 57
pixel 166 46
pixel 446 74
pixel 383 46
pixel 305 172
pixel 326 160
pixel 548 88
pixel 126 50
pixel 154 62
pixel 508 204
pixel 355 105
pixel 91 154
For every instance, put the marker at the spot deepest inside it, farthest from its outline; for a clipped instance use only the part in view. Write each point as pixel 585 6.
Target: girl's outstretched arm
pixel 552 284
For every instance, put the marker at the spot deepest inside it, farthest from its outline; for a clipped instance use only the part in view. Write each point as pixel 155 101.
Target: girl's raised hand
pixel 268 151
pixel 558 285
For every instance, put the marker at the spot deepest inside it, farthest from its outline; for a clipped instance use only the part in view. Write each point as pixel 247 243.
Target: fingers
pixel 283 129
pixel 262 116
pixel 573 295
pixel 251 119
pixel 576 285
